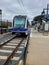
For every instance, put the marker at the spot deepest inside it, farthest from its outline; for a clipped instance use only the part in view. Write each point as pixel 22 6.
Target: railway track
pixel 6 39
pixel 12 50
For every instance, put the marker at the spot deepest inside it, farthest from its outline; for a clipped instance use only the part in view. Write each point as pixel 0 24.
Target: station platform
pixel 38 51
pixel 36 34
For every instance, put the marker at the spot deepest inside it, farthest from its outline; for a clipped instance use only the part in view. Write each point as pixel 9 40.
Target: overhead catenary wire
pixel 22 5
pixel 13 11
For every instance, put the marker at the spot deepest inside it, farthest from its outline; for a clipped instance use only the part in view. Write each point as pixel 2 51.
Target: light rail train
pixel 20 25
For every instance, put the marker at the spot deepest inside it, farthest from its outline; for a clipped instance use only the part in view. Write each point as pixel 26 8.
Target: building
pixel 5 24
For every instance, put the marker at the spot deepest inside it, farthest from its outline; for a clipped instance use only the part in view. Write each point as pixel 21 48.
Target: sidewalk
pixel 38 50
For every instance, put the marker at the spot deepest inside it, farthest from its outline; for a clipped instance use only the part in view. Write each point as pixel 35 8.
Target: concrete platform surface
pixel 38 50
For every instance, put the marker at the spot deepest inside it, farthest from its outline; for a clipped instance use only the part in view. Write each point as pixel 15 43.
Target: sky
pixel 31 8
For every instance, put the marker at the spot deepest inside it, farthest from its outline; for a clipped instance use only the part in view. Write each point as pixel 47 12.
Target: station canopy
pixel 39 17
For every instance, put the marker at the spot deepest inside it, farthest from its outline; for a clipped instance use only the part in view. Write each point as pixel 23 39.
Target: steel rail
pixel 11 55
pixel 7 41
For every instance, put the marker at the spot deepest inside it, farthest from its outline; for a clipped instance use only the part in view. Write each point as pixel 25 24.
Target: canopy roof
pixel 39 17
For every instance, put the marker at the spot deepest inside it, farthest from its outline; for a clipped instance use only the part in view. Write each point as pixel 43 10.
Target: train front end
pixel 20 25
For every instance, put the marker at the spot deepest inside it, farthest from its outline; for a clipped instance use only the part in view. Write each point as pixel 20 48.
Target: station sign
pixel 47 16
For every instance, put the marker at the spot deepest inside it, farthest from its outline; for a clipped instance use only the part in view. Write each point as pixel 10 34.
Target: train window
pixel 19 22
pixel 27 23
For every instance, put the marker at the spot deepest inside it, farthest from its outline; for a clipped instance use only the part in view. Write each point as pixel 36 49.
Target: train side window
pixel 27 23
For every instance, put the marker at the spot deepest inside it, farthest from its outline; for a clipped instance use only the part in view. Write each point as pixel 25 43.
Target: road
pixel 38 51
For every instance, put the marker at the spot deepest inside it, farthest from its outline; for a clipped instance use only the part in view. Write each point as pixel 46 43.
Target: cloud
pixel 30 8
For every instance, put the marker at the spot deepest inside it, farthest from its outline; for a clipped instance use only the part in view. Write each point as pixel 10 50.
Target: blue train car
pixel 20 25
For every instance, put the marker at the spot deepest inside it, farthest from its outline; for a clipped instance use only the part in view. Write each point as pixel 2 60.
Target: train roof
pixel 20 16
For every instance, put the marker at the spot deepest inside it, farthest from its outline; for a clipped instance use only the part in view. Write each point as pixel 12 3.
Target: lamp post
pixel 47 8
pixel 1 20
pixel 7 25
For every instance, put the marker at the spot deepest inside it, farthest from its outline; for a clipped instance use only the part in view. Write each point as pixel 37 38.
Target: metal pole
pixel 7 25
pixel 1 20
pixel 47 8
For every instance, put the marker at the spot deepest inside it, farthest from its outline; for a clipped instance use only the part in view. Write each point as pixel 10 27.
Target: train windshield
pixel 19 22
